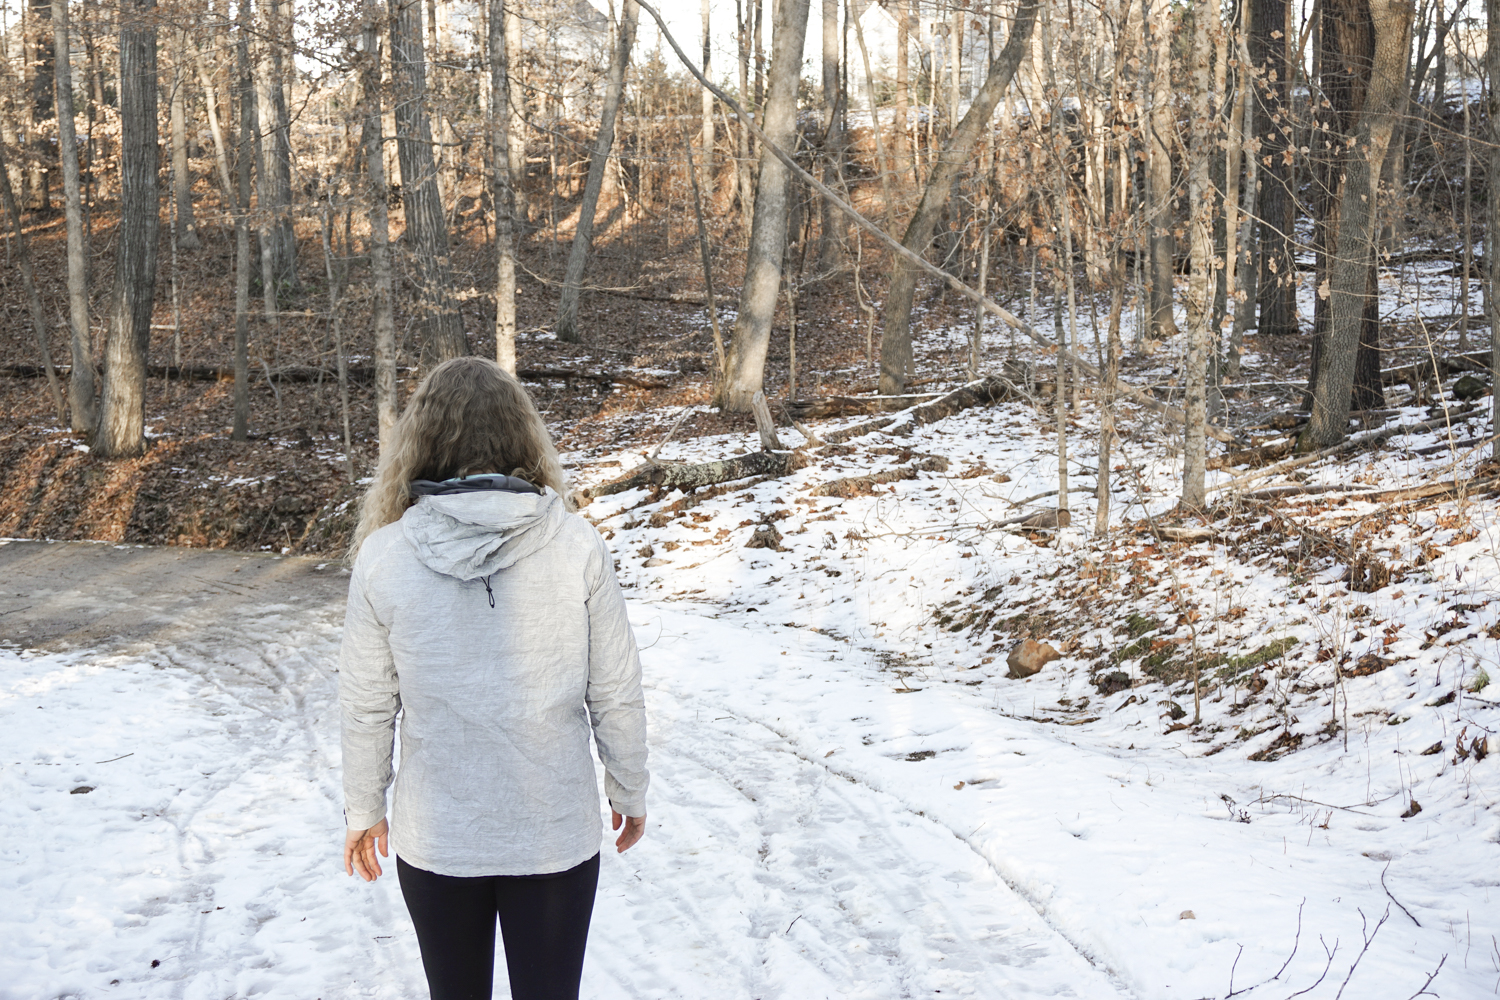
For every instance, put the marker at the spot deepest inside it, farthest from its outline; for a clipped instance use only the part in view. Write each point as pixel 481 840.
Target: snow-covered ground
pixel 850 797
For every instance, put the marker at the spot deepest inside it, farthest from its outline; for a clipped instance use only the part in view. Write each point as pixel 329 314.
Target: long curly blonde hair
pixel 468 416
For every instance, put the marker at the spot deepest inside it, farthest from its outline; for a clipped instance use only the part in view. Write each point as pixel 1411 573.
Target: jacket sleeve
pixel 369 697
pixel 617 707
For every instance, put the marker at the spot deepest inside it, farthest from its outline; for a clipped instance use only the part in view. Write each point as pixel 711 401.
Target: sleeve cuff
pixel 634 810
pixel 356 820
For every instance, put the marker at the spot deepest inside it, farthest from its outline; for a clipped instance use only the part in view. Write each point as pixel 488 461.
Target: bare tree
pixel 279 248
pixel 834 226
pixel 751 337
pixel 378 195
pixel 706 182
pixel 1162 245
pixel 81 375
pixel 122 412
pixel 501 190
pixel 426 222
pixel 1200 314
pixel 244 160
pixel 184 224
pixel 1492 212
pixel 28 278
pixel 895 339
pixel 1270 45
pixel 1349 276
pixel 583 234
pixel 1346 50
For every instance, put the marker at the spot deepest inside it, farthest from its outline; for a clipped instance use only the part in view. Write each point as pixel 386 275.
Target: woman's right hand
pixel 635 828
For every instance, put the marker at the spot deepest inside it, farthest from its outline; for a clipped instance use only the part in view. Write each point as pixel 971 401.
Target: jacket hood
pixel 471 535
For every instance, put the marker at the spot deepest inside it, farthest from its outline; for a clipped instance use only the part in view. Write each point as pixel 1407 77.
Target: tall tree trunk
pixel 501 191
pixel 903 82
pixel 244 161
pixel 1492 213
pixel 521 210
pixel 182 182
pixel 276 182
pixel 39 73
pixel 122 414
pixel 216 130
pixel 895 338
pixel 751 338
pixel 583 235
pixel 1200 208
pixel 744 185
pixel 28 278
pixel 1271 68
pixel 81 377
pixel 1349 276
pixel 378 196
pixel 426 223
pixel 833 226
pixel 706 168
pixel 1159 215
pixel 1347 42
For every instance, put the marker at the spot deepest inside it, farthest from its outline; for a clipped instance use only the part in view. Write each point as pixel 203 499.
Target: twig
pixel 113 759
pixel 670 431
pixel 1393 897
pixel 1369 939
pixel 1314 802
pixel 1295 941
pixel 1326 966
pixel 1423 991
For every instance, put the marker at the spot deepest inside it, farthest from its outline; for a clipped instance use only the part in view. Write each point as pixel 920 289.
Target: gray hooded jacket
pixel 498 702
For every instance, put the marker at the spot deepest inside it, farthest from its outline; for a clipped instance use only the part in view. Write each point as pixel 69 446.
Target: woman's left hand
pixel 360 847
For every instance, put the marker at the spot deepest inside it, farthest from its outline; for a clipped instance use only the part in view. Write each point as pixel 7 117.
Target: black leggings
pixel 544 920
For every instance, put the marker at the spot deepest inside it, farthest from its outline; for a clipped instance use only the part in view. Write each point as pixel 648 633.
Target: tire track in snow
pixel 770 872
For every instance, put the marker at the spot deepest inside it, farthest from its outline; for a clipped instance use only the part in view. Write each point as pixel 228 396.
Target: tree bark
pixel 500 189
pixel 28 278
pixel 521 211
pixel 1273 127
pixel 1162 245
pixel 1347 41
pixel 1492 214
pixel 182 182
pixel 1349 284
pixel 706 168
pixel 81 378
pixel 1200 208
pixel 895 340
pixel 833 227
pixel 426 222
pixel 244 161
pixel 276 181
pixel 751 337
pixel 122 412
pixel 583 234
pixel 378 196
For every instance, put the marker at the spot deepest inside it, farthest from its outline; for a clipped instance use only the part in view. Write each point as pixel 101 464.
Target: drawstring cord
pixel 487 589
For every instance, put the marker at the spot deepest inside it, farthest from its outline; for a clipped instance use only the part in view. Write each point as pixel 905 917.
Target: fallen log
pixel 355 373
pixel 1448 488
pixel 222 373
pixel 686 477
pixel 603 378
pixel 1298 489
pixel 849 406
pixel 1253 456
pixel 860 486
pixel 1349 444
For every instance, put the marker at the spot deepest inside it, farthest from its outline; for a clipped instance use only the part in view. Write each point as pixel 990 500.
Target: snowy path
pixel 202 863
